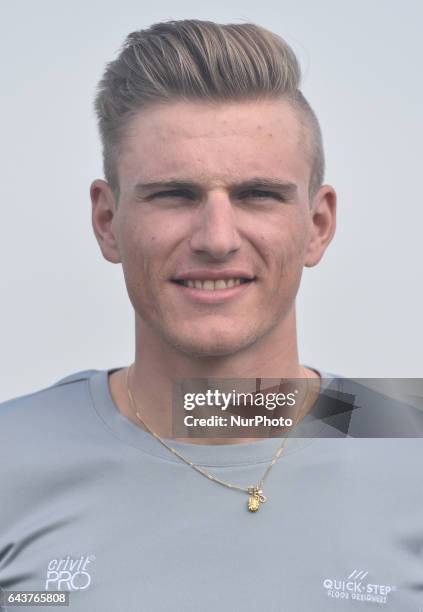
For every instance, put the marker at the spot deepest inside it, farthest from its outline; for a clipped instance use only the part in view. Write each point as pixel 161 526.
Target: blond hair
pixel 199 60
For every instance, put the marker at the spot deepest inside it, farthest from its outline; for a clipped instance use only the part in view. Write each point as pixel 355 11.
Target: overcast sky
pixel 65 309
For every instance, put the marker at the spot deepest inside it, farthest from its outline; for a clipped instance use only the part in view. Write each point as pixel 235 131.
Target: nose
pixel 214 228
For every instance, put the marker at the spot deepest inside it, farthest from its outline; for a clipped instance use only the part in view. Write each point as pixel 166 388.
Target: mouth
pixel 217 284
pixel 213 292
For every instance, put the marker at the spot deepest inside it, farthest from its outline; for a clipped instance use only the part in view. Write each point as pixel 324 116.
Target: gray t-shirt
pixel 92 504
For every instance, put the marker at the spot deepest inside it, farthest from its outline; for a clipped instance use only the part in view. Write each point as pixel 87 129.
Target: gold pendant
pixel 256 499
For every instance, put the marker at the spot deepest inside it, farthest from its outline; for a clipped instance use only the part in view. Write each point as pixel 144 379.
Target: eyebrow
pixel 287 188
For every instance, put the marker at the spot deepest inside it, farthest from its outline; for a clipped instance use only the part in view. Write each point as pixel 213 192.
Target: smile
pixel 213 291
pixel 213 284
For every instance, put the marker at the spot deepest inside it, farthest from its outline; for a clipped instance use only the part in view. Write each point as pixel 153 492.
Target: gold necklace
pixel 255 492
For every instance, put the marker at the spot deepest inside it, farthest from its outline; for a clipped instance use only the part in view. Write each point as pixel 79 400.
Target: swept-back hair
pixel 198 60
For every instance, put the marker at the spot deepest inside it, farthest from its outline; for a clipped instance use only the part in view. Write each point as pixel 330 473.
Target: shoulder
pixel 34 415
pixel 43 437
pixel 41 394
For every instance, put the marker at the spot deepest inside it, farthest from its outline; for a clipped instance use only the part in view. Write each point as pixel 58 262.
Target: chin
pixel 220 345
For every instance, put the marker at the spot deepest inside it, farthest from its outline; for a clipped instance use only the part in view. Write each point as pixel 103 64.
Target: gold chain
pixel 255 492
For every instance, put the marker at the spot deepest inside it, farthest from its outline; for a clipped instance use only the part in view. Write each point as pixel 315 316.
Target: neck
pixel 157 365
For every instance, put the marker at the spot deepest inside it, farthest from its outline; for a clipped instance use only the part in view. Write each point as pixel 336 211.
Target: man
pixel 213 203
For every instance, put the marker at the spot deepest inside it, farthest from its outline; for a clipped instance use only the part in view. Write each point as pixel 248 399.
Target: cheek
pixel 294 253
pixel 139 254
pixel 284 250
pixel 139 240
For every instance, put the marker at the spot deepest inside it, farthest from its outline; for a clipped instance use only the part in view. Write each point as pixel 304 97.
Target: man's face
pixel 236 207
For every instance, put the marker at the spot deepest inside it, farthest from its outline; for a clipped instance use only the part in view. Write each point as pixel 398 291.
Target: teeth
pixel 219 284
pixel 212 285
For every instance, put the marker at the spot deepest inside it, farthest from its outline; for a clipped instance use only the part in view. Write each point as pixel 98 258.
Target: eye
pixel 259 194
pixel 173 193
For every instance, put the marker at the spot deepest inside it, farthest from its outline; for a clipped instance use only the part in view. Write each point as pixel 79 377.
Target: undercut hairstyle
pixel 194 60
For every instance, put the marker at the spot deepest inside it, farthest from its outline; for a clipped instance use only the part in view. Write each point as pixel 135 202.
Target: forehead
pixel 214 142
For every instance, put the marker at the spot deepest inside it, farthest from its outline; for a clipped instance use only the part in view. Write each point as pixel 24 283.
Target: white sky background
pixel 64 308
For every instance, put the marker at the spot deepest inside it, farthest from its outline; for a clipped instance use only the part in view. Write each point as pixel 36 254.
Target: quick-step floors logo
pixel 354 587
pixel 69 574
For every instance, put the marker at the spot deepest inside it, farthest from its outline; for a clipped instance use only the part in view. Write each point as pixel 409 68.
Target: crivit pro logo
pixel 69 574
pixel 356 588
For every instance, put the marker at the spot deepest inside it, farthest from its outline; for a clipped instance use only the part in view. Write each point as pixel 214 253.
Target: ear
pixel 323 221
pixel 104 217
